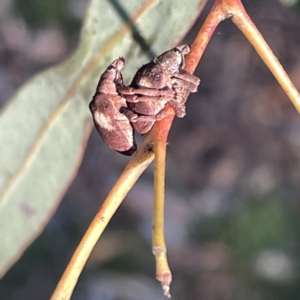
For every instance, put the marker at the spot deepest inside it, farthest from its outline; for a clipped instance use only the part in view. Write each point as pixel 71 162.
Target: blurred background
pixel 233 174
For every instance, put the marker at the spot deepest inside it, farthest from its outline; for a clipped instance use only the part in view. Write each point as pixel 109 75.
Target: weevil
pixel 157 83
pixel 108 107
pixel 117 110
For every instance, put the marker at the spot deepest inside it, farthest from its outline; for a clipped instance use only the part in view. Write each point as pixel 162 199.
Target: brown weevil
pixel 117 110
pixel 157 83
pixel 113 125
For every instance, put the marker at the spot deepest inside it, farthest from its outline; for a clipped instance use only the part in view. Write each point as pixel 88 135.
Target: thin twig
pixel 159 249
pixel 208 28
pixel 163 273
pixel 127 179
pixel 245 24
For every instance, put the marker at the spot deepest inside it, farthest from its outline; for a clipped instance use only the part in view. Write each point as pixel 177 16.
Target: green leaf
pixel 45 126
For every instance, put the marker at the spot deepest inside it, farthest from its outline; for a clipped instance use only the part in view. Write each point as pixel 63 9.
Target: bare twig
pixel 127 179
pixel 159 249
pixel 245 24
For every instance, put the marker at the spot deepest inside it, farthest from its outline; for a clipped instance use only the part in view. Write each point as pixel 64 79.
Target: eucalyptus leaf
pixel 45 126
